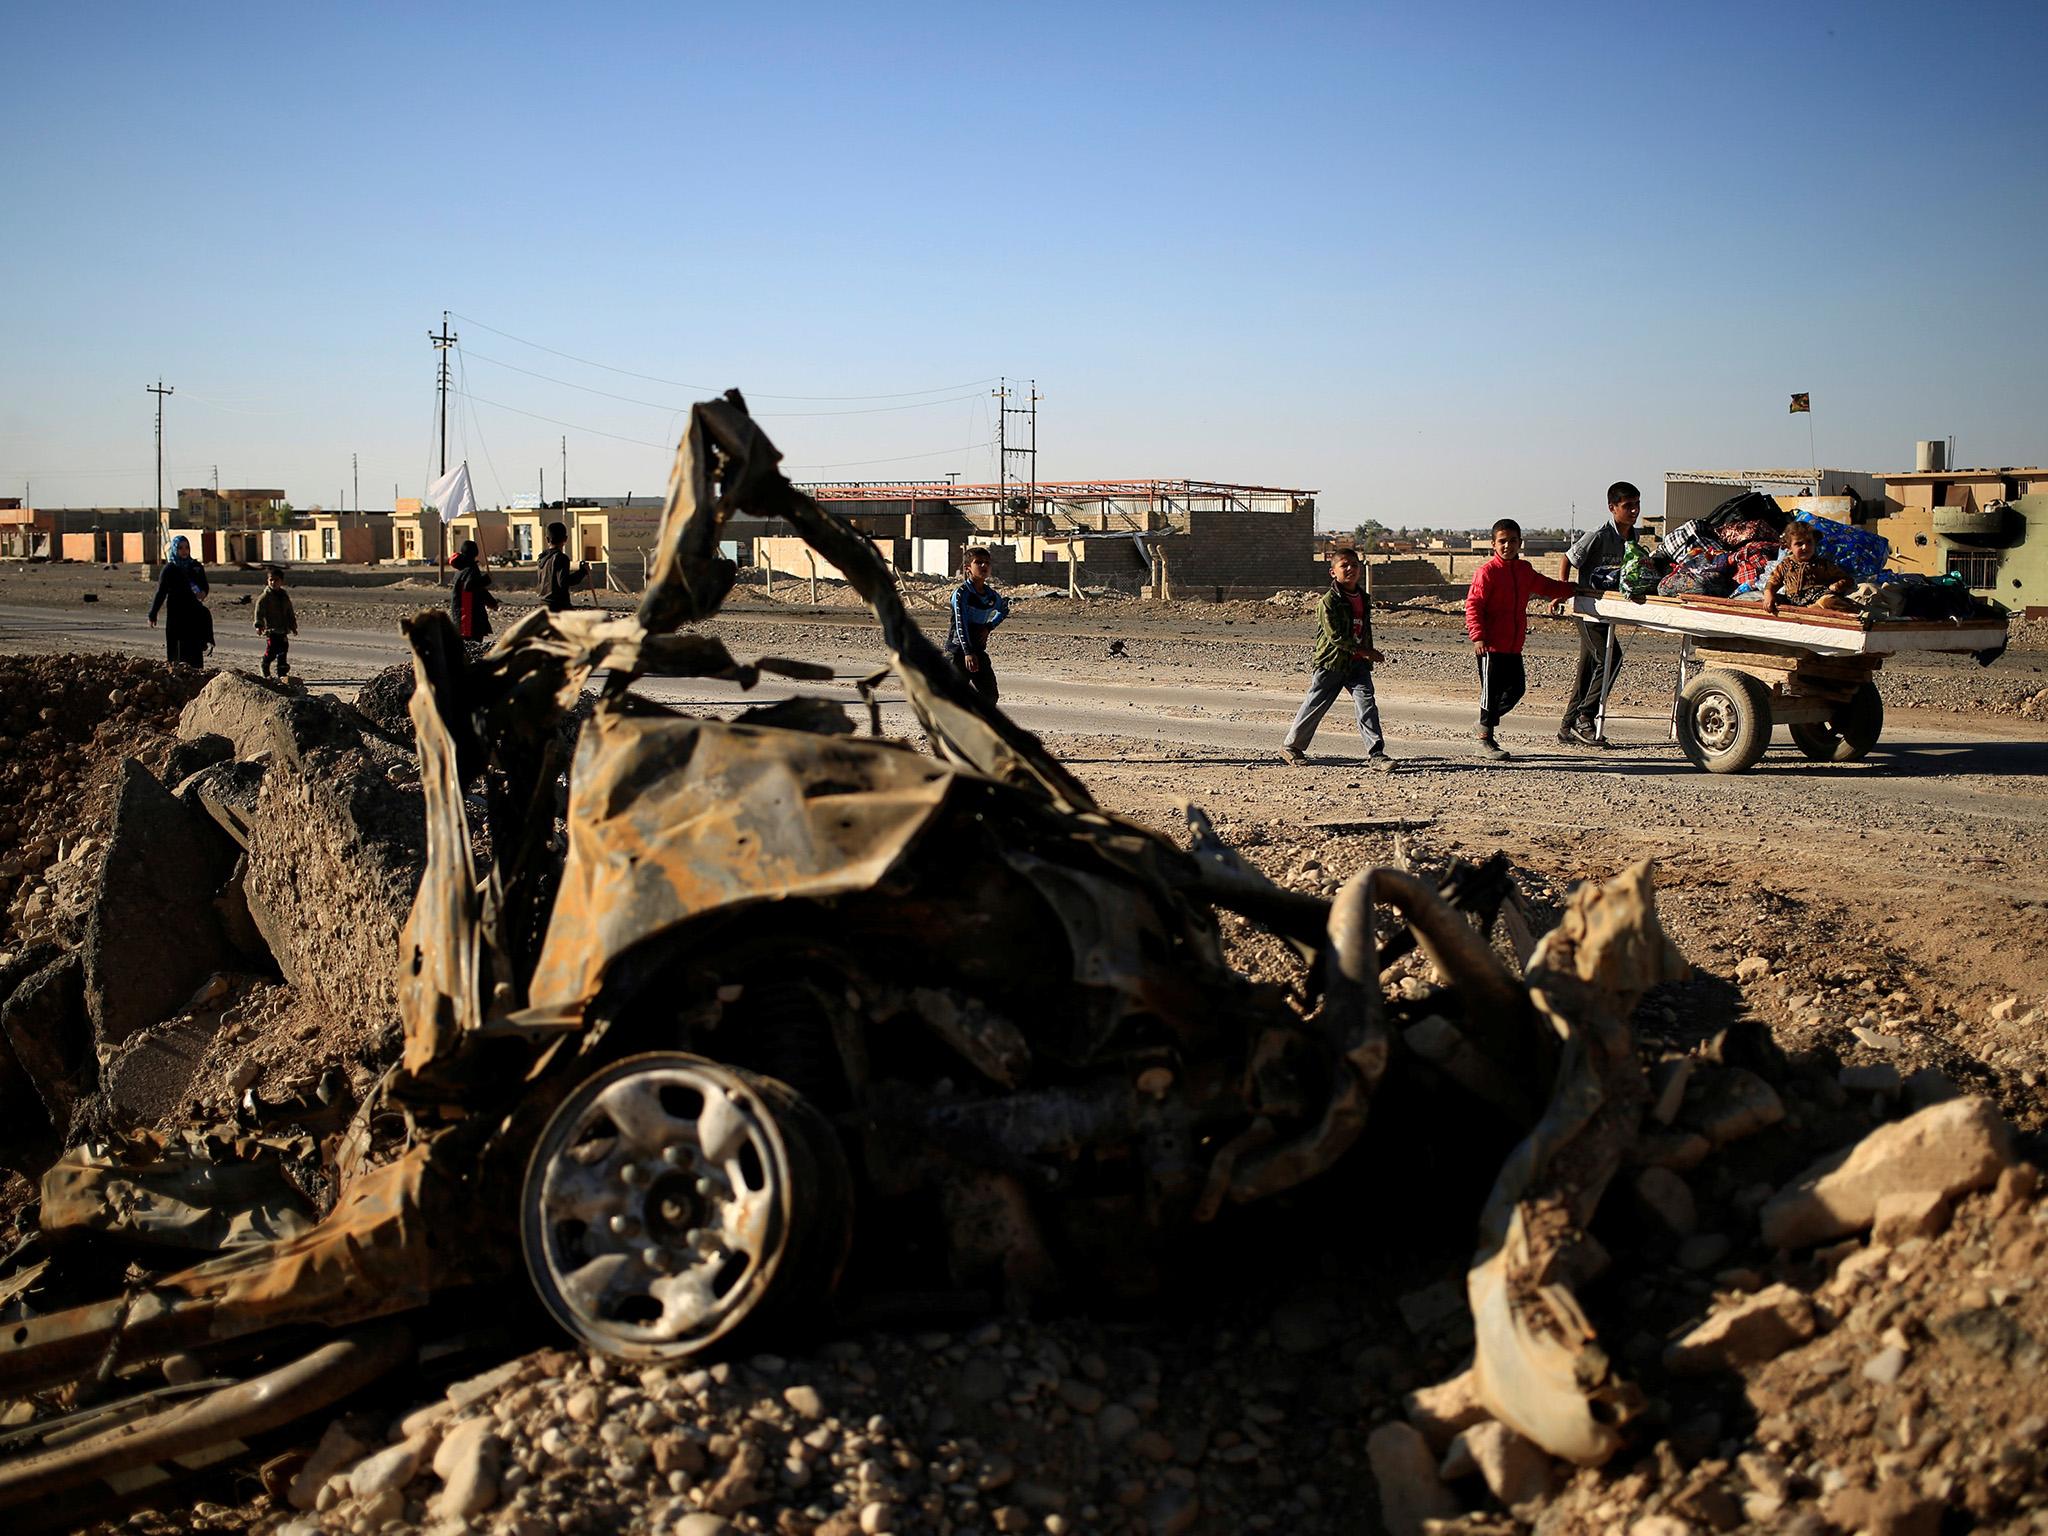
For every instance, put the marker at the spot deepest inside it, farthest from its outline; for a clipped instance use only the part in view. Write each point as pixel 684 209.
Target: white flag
pixel 450 495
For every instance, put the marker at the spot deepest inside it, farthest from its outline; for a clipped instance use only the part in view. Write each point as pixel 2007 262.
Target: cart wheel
pixel 1850 730
pixel 1724 721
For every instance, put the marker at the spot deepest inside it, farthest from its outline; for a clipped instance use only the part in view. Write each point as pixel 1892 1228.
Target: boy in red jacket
pixel 1497 619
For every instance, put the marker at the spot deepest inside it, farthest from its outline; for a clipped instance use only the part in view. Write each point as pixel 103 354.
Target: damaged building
pixel 1204 540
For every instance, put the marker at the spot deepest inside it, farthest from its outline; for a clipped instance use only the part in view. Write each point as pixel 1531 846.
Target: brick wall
pixel 1241 554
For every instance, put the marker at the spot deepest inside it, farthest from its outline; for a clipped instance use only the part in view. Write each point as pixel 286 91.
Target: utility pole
pixel 162 528
pixel 1004 452
pixel 356 470
pixel 565 474
pixel 442 343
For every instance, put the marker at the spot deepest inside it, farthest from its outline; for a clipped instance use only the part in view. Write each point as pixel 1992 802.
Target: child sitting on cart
pixel 1802 578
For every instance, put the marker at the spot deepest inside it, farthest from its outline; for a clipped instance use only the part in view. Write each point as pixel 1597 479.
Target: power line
pixel 759 394
pixel 572 425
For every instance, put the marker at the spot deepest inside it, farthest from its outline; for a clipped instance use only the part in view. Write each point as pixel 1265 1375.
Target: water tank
pixel 1930 456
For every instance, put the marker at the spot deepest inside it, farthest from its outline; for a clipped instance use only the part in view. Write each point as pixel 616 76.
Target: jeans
pixel 1592 675
pixel 1323 688
pixel 1502 682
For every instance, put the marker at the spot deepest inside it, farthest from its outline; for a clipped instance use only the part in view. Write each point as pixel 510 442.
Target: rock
pixel 1945 1149
pixel 1991 1331
pixel 338 1448
pixel 1409 1488
pixel 701 1525
pixel 1115 1424
pixel 2015 1186
pixel 1171 1511
pixel 1441 1411
pixel 1676 1150
pixel 227 793
pixel 740 1484
pixel 150 1074
pixel 1672 1076
pixel 805 1402
pixel 1662 1525
pixel 1728 1103
pixel 1666 1196
pixel 1930 1085
pixel 335 855
pixel 2003 1010
pixel 1515 1470
pixel 467 1464
pixel 1428 1309
pixel 678 1453
pixel 392 1467
pixel 1895 1509
pixel 877 1516
pixel 1752 1330
pixel 1750 968
pixel 235 708
pixel 1152 1446
pixel 1083 1397
pixel 1884 1366
pixel 581 1405
pixel 1882 1077
pixel 1909 1214
pixel 1891 1045
pixel 47 1033
pixel 202 751
pixel 153 935
pixel 463 1393
pixel 1703 1252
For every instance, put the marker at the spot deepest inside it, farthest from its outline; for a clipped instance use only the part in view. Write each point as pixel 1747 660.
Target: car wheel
pixel 1851 729
pixel 672 1201
pixel 1724 721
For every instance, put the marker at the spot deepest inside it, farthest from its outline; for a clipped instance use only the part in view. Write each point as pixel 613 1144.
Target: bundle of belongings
pixel 1741 549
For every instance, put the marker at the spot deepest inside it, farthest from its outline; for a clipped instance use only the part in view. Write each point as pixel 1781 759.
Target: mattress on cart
pixel 1829 633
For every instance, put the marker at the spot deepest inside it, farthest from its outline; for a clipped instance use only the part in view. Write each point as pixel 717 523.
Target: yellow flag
pixel 1800 403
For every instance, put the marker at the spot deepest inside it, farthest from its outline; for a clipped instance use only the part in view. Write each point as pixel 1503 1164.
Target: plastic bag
pixel 1638 575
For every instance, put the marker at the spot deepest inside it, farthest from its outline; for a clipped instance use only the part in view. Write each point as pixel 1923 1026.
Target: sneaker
pixel 1492 748
pixel 1380 760
pixel 1293 756
pixel 1568 736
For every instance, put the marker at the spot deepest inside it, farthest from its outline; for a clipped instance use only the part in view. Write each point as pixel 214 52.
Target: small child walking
pixel 1497 620
pixel 277 623
pixel 1342 662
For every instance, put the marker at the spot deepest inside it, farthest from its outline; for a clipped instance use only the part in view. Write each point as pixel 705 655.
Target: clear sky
pixel 1439 262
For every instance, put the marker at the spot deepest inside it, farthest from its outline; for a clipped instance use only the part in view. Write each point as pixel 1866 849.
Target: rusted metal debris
pixel 783 978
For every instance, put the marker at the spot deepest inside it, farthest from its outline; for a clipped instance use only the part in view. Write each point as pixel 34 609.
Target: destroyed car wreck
pixel 783 997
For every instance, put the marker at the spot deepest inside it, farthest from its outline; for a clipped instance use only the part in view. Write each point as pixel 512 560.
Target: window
pixel 328 539
pixel 1978 569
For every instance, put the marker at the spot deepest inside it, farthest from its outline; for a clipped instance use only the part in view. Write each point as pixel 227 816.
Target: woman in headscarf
pixel 181 589
pixel 470 599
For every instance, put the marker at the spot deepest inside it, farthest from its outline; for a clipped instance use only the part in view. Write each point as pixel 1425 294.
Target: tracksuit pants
pixel 1502 682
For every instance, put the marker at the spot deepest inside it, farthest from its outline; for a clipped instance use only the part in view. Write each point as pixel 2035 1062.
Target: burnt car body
pixel 784 989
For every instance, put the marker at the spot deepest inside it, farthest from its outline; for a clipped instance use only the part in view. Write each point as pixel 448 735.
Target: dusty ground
pixel 1890 914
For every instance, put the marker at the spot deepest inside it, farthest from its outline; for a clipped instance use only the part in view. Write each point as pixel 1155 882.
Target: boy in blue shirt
pixel 976 609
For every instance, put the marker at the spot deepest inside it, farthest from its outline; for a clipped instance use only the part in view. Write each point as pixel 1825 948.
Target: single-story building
pixel 491 529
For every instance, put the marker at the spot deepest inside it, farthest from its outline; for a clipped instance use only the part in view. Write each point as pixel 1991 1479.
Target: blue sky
pixel 1439 263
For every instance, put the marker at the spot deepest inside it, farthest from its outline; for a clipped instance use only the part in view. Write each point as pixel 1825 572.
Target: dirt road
pixel 1938 841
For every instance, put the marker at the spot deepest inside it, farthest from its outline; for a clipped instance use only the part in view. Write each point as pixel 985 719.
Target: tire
pixel 1851 729
pixel 1724 721
pixel 672 1203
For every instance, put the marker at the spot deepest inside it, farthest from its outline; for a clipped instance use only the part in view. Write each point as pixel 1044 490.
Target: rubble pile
pixel 220 911
pixel 66 722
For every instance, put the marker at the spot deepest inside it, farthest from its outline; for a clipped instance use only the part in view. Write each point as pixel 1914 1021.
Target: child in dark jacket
pixel 276 622
pixel 470 599
pixel 976 608
pixel 1341 662
pixel 1497 620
